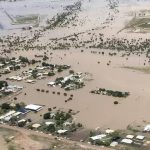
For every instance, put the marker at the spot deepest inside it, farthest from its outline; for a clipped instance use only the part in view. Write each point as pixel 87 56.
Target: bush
pixel 42 90
pixel 46 116
pixel 116 102
pixel 65 94
pixel 49 109
pixel 79 125
pixel 60 70
pixel 71 71
pixel 51 74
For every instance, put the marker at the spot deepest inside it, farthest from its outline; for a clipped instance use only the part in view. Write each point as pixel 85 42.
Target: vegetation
pixel 103 91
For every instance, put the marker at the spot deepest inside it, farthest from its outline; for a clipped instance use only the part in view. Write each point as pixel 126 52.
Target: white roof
pixel 22 120
pixel 108 131
pixel 62 131
pixel 127 141
pixel 36 125
pixel 33 107
pixel 130 136
pixel 49 123
pixel 16 114
pixel 30 81
pixel 40 68
pixel 51 83
pixel 140 137
pixel 147 127
pixel 67 123
pixel 98 137
pixel 113 144
pixel 7 118
pixel 7 114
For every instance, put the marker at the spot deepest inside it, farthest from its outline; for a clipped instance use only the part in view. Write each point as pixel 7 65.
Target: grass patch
pixel 29 19
pixel 138 22
pixel 141 69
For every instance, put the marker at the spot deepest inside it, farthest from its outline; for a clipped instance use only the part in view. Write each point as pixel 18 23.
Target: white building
pixel 34 107
pixel 98 137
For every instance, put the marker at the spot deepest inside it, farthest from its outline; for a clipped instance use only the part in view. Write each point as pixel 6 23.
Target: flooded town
pixel 74 74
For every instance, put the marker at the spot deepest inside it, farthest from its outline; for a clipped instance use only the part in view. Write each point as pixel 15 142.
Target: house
pixel 51 84
pixel 36 126
pixel 67 123
pixel 98 137
pixel 18 78
pixel 127 141
pixel 7 116
pixel 49 123
pixel 140 137
pixel 113 144
pixel 130 136
pixel 16 114
pixel 147 128
pixel 109 131
pixel 30 81
pixel 22 120
pixel 62 131
pixel 33 107
pixel 41 77
pixel 12 88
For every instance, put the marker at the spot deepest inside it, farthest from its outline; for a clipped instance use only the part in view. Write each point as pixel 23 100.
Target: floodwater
pixel 95 110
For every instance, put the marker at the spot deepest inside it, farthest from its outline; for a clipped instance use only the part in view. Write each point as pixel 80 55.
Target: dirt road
pixel 27 140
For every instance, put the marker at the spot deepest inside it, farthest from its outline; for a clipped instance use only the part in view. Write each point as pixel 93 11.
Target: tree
pixel 34 73
pixel 71 71
pixel 79 125
pixel 23 59
pixel 46 116
pixel 45 58
pixel 33 61
pixel 51 74
pixel 60 69
pixel 5 106
pixel 51 128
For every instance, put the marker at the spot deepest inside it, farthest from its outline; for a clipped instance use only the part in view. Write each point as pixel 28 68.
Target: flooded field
pixel 44 9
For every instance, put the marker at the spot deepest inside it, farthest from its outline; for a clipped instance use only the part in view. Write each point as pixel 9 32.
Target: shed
pixel 140 137
pixel 34 107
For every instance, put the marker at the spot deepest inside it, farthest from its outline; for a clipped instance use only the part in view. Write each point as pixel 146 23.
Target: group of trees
pixel 17 106
pixel 110 93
